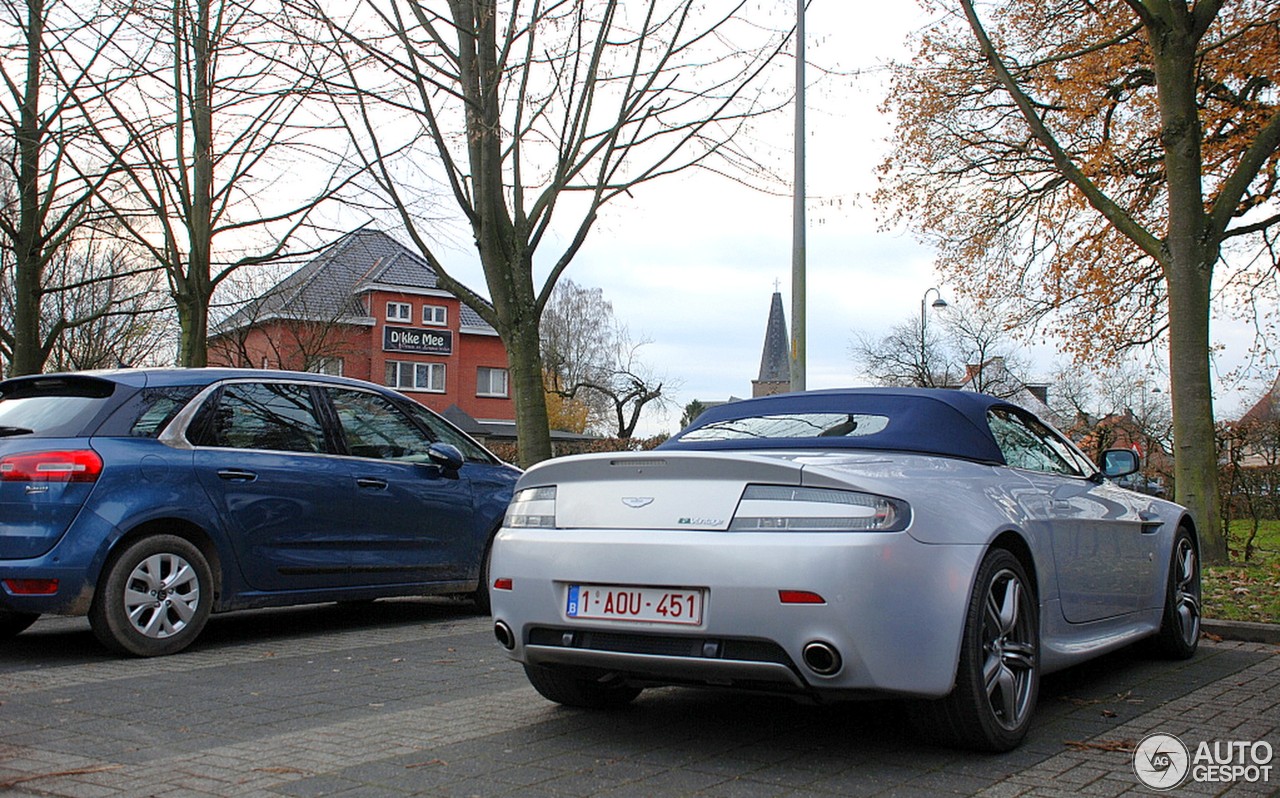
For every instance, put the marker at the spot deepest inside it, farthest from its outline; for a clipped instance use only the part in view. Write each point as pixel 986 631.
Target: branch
pixel 1123 222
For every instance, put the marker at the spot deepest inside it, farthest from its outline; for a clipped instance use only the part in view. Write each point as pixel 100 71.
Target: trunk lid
pixel 651 490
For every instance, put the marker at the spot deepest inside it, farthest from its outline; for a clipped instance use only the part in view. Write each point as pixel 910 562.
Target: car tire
pixel 154 597
pixel 575 691
pixel 998 675
pixel 14 623
pixel 1179 634
pixel 481 594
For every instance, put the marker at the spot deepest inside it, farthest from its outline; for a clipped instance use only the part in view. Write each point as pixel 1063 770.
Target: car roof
pixel 945 422
pixel 161 377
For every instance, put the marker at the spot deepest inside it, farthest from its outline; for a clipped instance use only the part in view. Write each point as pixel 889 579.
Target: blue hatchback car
pixel 148 499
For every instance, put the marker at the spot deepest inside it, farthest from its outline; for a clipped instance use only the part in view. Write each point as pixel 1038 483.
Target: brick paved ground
pixel 413 697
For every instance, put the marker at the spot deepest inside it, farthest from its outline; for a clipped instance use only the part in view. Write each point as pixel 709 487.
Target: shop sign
pixel 417 341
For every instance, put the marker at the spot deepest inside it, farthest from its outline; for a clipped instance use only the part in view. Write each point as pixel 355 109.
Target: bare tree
pixel 960 349
pixel 629 385
pixel 590 358
pixel 910 355
pixel 532 108
pixel 208 128
pixel 980 341
pixel 578 331
pixel 50 173
pixel 1073 396
pixel 128 319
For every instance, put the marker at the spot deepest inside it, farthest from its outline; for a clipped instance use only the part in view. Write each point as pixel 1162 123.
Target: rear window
pixel 791 425
pixel 52 407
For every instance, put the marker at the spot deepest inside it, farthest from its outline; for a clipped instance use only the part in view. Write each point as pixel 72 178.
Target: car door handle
pixel 236 475
pixel 371 483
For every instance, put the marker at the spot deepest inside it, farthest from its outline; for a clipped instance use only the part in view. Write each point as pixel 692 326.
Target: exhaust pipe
pixel 504 635
pixel 822 658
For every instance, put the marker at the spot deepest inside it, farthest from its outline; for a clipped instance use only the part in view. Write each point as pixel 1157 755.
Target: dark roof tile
pixel 327 288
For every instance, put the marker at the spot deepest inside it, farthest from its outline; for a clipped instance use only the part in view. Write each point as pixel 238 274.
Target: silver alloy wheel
pixel 1186 591
pixel 1009 655
pixel 161 595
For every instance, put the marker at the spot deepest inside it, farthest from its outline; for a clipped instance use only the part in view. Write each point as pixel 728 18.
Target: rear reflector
pixel 31 587
pixel 800 597
pixel 81 465
pixel 504 583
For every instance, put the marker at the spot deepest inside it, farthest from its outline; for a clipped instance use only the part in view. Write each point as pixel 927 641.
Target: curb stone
pixel 1246 631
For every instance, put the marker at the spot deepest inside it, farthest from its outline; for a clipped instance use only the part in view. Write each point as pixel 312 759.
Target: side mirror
pixel 445 455
pixel 1118 463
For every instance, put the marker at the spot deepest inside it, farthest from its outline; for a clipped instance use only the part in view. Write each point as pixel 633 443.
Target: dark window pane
pixel 447 433
pixel 374 427
pixel 267 416
pixel 148 412
pixel 1030 445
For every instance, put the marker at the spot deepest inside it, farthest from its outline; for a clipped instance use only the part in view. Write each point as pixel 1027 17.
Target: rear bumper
pixel 894 607
pixel 74 563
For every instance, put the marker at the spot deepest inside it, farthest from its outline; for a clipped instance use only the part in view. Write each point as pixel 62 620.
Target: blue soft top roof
pixel 931 421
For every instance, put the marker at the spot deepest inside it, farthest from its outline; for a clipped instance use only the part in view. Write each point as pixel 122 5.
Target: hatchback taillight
pixel 79 465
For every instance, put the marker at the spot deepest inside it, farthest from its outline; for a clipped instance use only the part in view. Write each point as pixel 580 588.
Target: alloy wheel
pixel 1009 660
pixel 1186 590
pixel 161 595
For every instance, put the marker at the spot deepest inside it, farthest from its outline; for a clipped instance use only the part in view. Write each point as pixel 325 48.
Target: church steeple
pixel 775 360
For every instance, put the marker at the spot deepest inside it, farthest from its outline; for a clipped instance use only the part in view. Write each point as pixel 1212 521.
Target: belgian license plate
pixel 647 604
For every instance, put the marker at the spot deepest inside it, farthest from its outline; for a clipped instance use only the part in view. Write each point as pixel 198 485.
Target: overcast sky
pixel 690 263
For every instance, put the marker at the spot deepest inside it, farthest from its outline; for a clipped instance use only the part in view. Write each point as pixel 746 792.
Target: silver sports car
pixel 940 546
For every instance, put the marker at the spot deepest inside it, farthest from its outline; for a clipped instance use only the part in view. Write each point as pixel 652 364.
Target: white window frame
pixel 399 311
pixel 412 375
pixel 435 315
pixel 484 387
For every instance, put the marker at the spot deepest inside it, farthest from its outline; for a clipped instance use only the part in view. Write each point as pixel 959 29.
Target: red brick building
pixel 368 307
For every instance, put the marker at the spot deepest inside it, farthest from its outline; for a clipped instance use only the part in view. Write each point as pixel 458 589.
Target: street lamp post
pixel 799 357
pixel 938 304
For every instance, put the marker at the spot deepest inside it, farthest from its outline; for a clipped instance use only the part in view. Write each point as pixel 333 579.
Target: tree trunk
pixel 1195 461
pixel 525 360
pixel 193 320
pixel 1188 271
pixel 196 291
pixel 28 355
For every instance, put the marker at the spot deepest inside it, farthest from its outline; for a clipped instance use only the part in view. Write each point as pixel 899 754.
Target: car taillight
pixel 79 465
pixel 32 587
pixel 785 508
pixel 532 508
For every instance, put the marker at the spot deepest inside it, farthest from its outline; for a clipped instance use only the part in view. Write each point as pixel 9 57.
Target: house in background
pixel 1257 433
pixel 369 308
pixel 1266 410
pixel 993 376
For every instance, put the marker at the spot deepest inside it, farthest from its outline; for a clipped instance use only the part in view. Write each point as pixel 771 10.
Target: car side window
pixel 266 416
pixel 447 433
pixel 374 427
pixel 1028 444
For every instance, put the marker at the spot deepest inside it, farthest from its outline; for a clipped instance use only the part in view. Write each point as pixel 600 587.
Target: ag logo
pixel 1161 761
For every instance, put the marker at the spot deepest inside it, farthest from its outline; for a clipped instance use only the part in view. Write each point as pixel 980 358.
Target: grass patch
pixel 1246 591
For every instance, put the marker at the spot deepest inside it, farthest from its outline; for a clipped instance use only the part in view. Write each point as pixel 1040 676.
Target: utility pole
pixel 798 364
